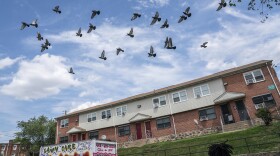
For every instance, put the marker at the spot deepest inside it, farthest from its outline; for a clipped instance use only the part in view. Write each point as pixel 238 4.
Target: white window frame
pixel 159 105
pixel 180 96
pixel 200 88
pixel 90 115
pixel 63 122
pixel 254 78
pixel 106 114
pixel 15 147
pixel 122 110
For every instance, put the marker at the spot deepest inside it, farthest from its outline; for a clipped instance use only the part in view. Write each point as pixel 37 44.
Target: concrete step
pixel 237 126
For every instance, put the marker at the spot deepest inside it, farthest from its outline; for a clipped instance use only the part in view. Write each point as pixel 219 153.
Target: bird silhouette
pixel 39 36
pixel 94 13
pixel 131 33
pixel 43 47
pixel 152 53
pixel 79 33
pixel 71 71
pixel 34 23
pixel 187 13
pixel 203 45
pixel 91 27
pixel 155 18
pixel 47 43
pixel 119 50
pixel 23 25
pixel 166 42
pixel 103 55
pixel 56 9
pixel 170 44
pixel 165 24
pixel 135 15
pixel 182 18
pixel 221 5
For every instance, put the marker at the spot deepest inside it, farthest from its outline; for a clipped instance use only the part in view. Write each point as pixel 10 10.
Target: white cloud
pixel 43 76
pixel 153 3
pixel 6 62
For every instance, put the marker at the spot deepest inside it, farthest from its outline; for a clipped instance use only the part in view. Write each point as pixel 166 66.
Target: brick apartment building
pixel 12 149
pixel 225 98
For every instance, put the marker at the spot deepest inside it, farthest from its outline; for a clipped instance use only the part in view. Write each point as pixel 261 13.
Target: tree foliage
pixel 36 132
pixel 265 115
pixel 220 149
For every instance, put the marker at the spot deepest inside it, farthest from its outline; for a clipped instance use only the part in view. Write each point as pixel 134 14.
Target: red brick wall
pixel 72 123
pixel 109 132
pixel 161 132
pixel 236 83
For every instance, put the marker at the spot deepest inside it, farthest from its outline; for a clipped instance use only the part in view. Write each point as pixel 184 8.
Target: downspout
pixel 114 123
pixel 273 79
pixel 56 139
pixel 174 127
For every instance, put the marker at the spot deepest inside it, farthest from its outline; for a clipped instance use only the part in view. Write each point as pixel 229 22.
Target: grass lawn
pixel 254 140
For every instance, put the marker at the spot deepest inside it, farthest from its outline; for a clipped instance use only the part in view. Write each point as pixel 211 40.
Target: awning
pixel 139 117
pixel 76 130
pixel 228 96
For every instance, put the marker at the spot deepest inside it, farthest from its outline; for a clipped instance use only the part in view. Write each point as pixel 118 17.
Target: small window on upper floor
pixel 159 101
pixel 106 114
pixel 64 123
pixel 15 147
pixel 121 111
pixel 253 76
pixel 179 96
pixel 200 91
pixel 91 117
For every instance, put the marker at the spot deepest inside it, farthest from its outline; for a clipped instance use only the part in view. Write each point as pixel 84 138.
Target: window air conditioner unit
pixel 109 116
pixel 156 105
pixel 250 81
pixel 258 106
pixel 198 96
pixel 202 118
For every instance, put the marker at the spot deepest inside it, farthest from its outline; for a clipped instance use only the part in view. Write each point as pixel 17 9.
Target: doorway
pixel 148 129
pixel 227 116
pixel 138 131
pixel 74 137
pixel 243 114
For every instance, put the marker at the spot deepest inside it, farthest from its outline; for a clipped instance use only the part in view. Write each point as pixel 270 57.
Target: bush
pixel 265 115
pixel 220 149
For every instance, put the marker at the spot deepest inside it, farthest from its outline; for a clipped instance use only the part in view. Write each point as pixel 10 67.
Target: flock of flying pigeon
pixel 156 18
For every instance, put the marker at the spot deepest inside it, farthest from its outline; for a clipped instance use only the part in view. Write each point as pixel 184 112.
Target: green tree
pixel 36 132
pixel 265 115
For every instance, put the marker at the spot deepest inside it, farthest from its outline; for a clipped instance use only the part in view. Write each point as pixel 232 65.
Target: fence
pixel 244 145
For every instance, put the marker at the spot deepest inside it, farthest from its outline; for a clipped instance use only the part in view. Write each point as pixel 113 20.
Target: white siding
pixel 216 89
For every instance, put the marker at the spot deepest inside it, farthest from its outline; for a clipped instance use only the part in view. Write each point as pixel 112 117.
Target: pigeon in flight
pixel 203 45
pixel 23 25
pixel 79 33
pixel 166 42
pixel 43 47
pixel 56 9
pixel 119 50
pixel 135 15
pixel 47 43
pixel 131 33
pixel 155 18
pixel 187 13
pixel 165 24
pixel 170 44
pixel 34 23
pixel 103 55
pixel 221 5
pixel 91 27
pixel 39 36
pixel 71 71
pixel 151 53
pixel 94 13
pixel 182 18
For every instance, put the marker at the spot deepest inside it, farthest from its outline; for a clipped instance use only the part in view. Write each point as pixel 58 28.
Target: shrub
pixel 220 149
pixel 265 115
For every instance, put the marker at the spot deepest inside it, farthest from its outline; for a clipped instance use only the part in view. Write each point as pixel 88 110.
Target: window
pixel 121 110
pixel 15 147
pixel 3 147
pixel 207 114
pixel 179 96
pixel 124 130
pixel 93 135
pixel 202 90
pixel 160 101
pixel 261 101
pixel 106 114
pixel 91 117
pixel 163 123
pixel 64 123
pixel 253 76
pixel 63 139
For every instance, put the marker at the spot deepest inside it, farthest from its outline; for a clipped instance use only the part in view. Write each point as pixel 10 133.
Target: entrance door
pixel 74 137
pixel 227 116
pixel 148 129
pixel 138 131
pixel 243 115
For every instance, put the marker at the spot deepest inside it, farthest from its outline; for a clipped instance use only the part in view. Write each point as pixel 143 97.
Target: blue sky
pixel 34 83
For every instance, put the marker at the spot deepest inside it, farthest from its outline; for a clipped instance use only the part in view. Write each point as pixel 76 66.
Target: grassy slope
pixel 200 144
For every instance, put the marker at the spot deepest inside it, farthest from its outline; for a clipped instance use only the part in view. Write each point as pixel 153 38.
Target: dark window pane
pixel 258 100
pixel 163 123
